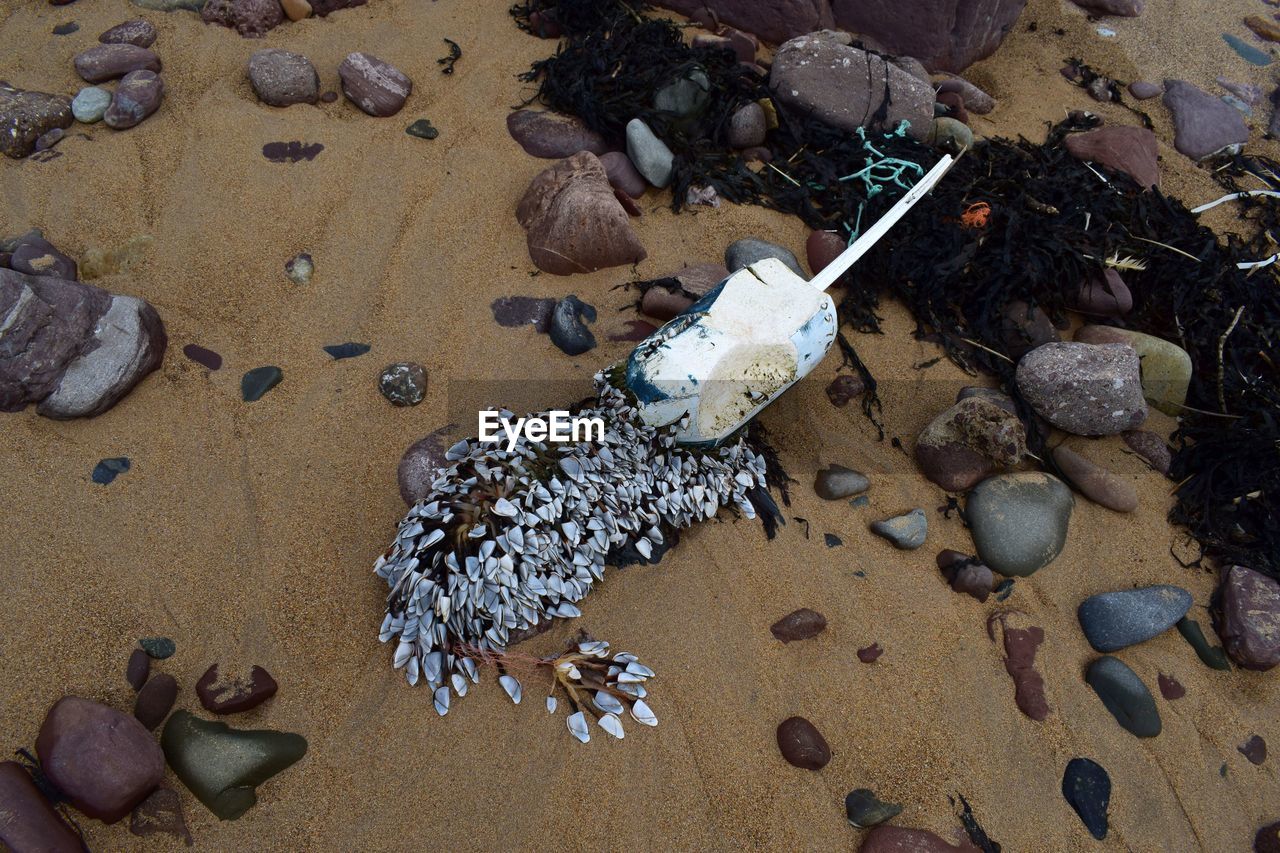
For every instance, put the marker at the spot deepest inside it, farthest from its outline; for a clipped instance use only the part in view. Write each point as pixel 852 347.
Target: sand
pixel 247 531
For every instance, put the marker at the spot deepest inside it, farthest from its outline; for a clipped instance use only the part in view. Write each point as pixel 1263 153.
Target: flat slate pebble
pixel 108 469
pixel 802 745
pixel 863 809
pixel 28 821
pixel 403 383
pixel 871 653
pixel 802 624
pixel 348 350
pixel 136 32
pixel 259 381
pixel 836 482
pixel 1170 687
pixel 155 700
pixel 422 129
pixel 1125 696
pixel 906 532
pixel 1202 124
pixel 745 252
pixel 1116 620
pixel 223 694
pixel 1087 788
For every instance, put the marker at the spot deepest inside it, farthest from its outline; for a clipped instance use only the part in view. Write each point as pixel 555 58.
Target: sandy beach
pixel 247 532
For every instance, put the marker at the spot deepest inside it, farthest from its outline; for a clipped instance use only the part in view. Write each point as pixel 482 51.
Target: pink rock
pixel 1131 150
pixel 622 174
pixel 27 821
pixel 1121 8
pixel 821 248
pixel 137 32
pixel 975 100
pixel 1095 482
pixel 375 86
pixel 946 35
pixel 573 221
pixel 109 61
pixel 1249 618
pixel 138 96
pixel 1104 295
pixel 553 136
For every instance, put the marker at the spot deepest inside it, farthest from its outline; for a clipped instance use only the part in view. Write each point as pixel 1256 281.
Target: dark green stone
pixel 158 647
pixel 259 381
pixel 223 766
pixel 1212 656
pixel 422 129
pixel 863 809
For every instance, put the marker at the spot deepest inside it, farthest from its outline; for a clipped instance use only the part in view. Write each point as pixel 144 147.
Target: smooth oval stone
pixel 745 252
pixel 568 331
pixel 138 669
pixel 205 357
pixel 137 32
pixel 1019 521
pixel 863 809
pixel 1150 447
pixel 802 745
pixel 223 766
pixel 27 821
pixel 138 96
pixel 229 694
pixel 282 78
pixel 1166 367
pixel 1143 90
pixel 836 482
pixel 155 700
pixel 158 648
pixel 801 624
pixel 259 381
pixel 109 61
pixel 90 103
pixel 747 126
pixel 684 97
pixel 1115 620
pixel 1087 788
pixel 821 248
pixel 104 762
pixel 1105 295
pixel 296 10
pixel 1125 696
pixel 552 135
pixel 375 86
pixel 403 383
pixel 649 154
pixel 1095 482
pixel 1211 656
pixel 622 174
pixel 1254 749
pixel 950 135
pixel 906 532
pixel 160 813
pixel 1084 388
pixel 899 839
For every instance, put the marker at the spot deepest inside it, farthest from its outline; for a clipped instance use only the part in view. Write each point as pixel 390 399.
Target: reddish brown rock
pixel 1249 618
pixel 1020 645
pixel 946 35
pixel 622 174
pixel 27 116
pixel 1095 482
pixel 801 624
pixel 1254 749
pixel 802 745
pixel 423 461
pixel 1025 328
pixel 229 694
pixel 573 220
pixel 34 255
pixel 1267 840
pixel 871 653
pixel 155 700
pixel 966 574
pixel 249 18
pixel 160 813
pixel 103 761
pixel 1104 295
pixel 138 670
pixel 27 821
pixel 690 284
pixel 954 104
pixel 975 100
pixel 109 61
pixel 772 20
pixel 324 7
pixel 1170 687
pixel 375 86
pixel 821 248
pixel 1086 389
pixel 137 32
pixel 1150 447
pixel 1131 150
pixel 844 388
pixel 138 96
pixel 553 136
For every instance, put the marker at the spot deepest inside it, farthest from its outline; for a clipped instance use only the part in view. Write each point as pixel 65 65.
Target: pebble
pixel 161 812
pixel 375 86
pixel 1024 328
pixel 421 464
pixel 108 469
pixel 1117 620
pixel 622 175
pixel 975 100
pixel 66 29
pixel 29 822
pixel 966 574
pixel 871 653
pixel 1143 90
pixel 1248 93
pixel 109 61
pixel 802 624
pixel 1019 521
pixel 299 268
pixel 1250 618
pixel 513 311
pixel 104 762
pixel 223 766
pixel 282 78
pixel 138 96
pixel 90 103
pixel 155 700
pixel 836 481
pixel 1267 840
pixel 291 152
pixel 747 126
pixel 205 357
pixel 1254 749
pixel 422 129
pixel 259 381
pixel 747 251
pixel 403 383
pixel 567 330
pixel 50 138
pixel 136 32
pixel 649 154
pixel 26 116
pixel 832 540
pixel 1211 656
pixel 1087 788
pixel 1125 696
pixel 950 135
pixel 328 97
pixel 138 669
pixel 34 255
pixel 1170 687
pixel 348 350
pixel 574 221
pixel 906 532
pixel 158 648
pixel 1246 51
pixel 634 331
pixel 844 388
pixel 1095 482
pixel 821 248
pixel 296 10
pixel 686 96
pixel 1166 367
pixel 863 809
pixel 1020 646
pixel 954 106
pixel 899 839
pixel 1084 388
pixel 802 745
pixel 553 136
pixel 1107 295
pixel 231 694
pixel 1202 124
pixel 964 444
pixel 690 284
